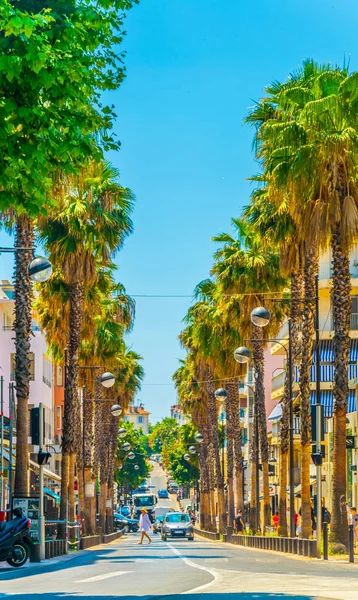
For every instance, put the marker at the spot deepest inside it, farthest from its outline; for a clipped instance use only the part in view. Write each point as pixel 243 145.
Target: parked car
pixel 157 525
pixel 177 524
pixel 163 494
pixel 126 523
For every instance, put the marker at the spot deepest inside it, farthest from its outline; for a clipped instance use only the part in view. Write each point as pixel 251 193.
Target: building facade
pixel 326 353
pixel 176 413
pixel 138 416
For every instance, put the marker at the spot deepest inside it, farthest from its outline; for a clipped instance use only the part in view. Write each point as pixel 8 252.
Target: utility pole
pixel 41 467
pixel 319 426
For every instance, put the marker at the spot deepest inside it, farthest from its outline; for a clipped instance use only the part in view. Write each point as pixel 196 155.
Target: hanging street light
pixel 122 432
pixel 131 455
pixel 199 438
pixel 242 355
pixel 116 410
pixel 260 316
pixel 126 446
pixel 136 467
pixel 187 457
pixel 107 380
pixel 221 394
pixel 39 269
pixel 192 449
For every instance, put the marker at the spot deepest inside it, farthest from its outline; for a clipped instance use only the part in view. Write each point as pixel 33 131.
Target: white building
pixel 177 414
pixel 138 416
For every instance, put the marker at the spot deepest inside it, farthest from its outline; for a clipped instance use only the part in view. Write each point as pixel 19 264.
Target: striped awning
pixel 276 414
pixel 327 362
pixel 327 400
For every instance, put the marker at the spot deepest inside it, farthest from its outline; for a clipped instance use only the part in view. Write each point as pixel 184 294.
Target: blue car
pixel 163 494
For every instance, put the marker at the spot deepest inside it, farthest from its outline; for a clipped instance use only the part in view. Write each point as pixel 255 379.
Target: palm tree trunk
pixel 213 416
pixel 205 516
pixel 232 402
pixel 71 493
pixel 88 433
pixel 341 304
pixel 254 457
pixel 71 425
pixel 24 237
pixel 295 313
pixel 309 273
pixel 258 359
pixel 111 467
pixel 232 387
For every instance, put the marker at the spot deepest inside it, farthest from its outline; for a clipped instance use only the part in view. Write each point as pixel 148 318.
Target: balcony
pixel 278 381
pixel 326 322
pixel 325 270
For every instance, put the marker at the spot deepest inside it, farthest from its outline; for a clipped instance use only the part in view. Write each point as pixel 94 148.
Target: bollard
pixel 351 544
pixel 325 541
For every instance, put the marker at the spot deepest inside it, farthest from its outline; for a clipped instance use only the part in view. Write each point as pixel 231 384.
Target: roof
pixel 136 410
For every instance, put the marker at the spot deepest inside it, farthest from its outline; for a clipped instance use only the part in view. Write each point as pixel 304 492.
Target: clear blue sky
pixel 193 69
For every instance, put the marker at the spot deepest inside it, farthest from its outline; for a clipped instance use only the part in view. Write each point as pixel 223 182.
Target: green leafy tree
pixel 127 477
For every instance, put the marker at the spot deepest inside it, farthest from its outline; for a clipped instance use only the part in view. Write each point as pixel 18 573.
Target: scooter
pixel 15 541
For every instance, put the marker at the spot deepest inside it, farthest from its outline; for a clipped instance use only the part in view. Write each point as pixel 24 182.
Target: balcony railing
pixel 326 322
pixel 278 381
pixel 325 270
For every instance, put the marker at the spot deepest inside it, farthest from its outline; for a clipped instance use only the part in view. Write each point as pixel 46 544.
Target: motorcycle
pixel 15 541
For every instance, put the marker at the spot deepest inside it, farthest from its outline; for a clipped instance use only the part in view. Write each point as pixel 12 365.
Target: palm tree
pixel 89 223
pixel 315 156
pixel 248 270
pixel 198 337
pixel 192 398
pixel 273 223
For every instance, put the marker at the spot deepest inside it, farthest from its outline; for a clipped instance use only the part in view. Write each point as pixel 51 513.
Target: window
pixel 59 417
pixel 47 371
pixel 59 375
pixel 140 419
pixel 126 418
pixel 31 366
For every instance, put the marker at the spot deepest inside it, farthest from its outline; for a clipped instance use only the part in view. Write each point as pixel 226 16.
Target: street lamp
pixel 131 455
pixel 39 269
pixel 192 449
pixel 116 410
pixel 199 438
pixel 242 355
pixel 187 457
pixel 107 380
pixel 221 394
pixel 260 316
pixel 136 467
pixel 126 446
pixel 122 432
pixel 257 441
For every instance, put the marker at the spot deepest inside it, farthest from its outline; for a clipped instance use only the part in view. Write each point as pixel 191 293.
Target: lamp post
pixel 192 451
pixel 261 316
pixel 242 355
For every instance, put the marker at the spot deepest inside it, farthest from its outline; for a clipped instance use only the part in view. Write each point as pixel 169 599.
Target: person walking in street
pixel 353 520
pixel 144 526
pixel 239 525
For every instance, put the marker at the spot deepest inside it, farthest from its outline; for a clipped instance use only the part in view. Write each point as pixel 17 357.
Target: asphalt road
pixel 199 569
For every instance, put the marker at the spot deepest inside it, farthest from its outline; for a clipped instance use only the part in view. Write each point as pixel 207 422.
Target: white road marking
pixel 218 577
pixel 102 577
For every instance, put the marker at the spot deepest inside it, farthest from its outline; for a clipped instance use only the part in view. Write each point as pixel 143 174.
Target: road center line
pixel 102 577
pixel 214 572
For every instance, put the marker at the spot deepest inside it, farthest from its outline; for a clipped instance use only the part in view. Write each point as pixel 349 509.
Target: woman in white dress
pixel 144 526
